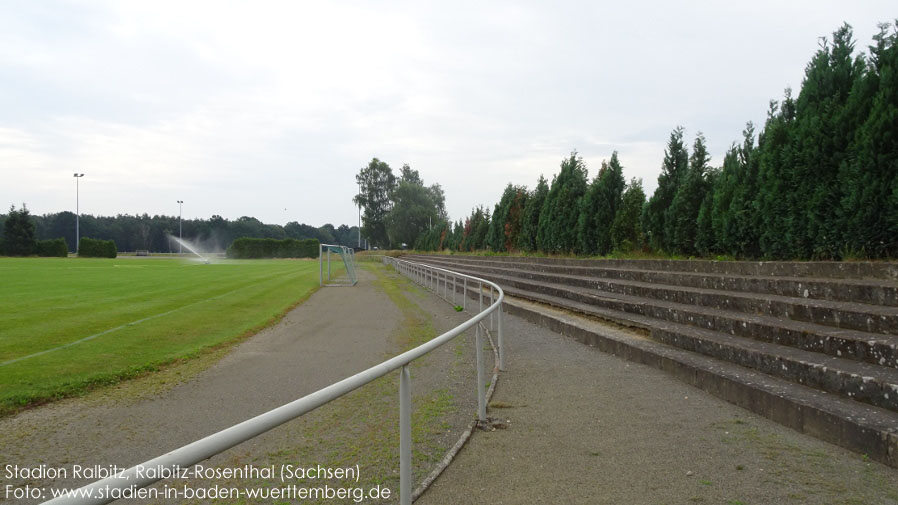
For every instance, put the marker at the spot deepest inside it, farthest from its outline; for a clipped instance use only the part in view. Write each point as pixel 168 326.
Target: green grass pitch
pixel 67 324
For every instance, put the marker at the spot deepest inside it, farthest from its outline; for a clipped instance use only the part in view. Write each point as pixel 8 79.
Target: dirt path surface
pixel 590 428
pixel 336 333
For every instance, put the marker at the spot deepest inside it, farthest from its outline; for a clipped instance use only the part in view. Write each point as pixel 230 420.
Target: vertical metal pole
pixel 480 289
pixel 481 394
pixel 328 264
pixel 180 235
pixel 405 437
pixel 454 289
pixel 464 299
pixel 320 275
pixel 501 342
pixel 492 328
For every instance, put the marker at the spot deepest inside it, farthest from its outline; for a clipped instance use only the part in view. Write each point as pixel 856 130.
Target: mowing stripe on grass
pixel 132 323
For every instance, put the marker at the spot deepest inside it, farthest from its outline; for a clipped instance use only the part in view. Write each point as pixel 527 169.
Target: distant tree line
pixel 397 210
pixel 255 248
pixel 151 233
pixel 820 181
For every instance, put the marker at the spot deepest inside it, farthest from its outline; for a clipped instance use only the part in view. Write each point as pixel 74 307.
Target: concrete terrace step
pixel 857 426
pixel 814 269
pixel 871 348
pixel 816 378
pixel 869 291
pixel 855 316
pixel 870 383
pixel 863 382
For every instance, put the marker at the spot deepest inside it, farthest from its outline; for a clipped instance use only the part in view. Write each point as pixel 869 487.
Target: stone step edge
pixel 596 272
pixel 858 427
pixel 818 329
pixel 865 270
pixel 529 267
pixel 852 374
pixel 862 309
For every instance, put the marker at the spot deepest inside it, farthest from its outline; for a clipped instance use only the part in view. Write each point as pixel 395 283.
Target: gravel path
pixel 334 334
pixel 588 427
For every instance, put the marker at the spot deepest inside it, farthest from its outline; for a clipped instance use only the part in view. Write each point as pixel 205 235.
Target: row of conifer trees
pixel 819 181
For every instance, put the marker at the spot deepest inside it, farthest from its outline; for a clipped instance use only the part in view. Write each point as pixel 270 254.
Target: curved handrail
pixel 99 492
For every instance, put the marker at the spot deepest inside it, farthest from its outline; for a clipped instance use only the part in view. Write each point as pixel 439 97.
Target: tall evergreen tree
pixel 530 220
pixel 496 236
pixel 676 162
pixel 775 203
pixel 557 232
pixel 822 144
pixel 611 190
pixel 586 229
pixel 18 233
pixel 705 242
pixel 626 230
pixel 681 218
pixel 869 175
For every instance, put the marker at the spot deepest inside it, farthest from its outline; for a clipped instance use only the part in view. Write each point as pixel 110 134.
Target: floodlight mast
pixel 77 212
pixel 180 238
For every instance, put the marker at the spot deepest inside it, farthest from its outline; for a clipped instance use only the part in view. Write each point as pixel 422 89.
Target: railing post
pixel 481 394
pixel 480 289
pixel 454 288
pixel 501 342
pixel 492 328
pixel 405 437
pixel 320 275
pixel 464 298
pixel 328 264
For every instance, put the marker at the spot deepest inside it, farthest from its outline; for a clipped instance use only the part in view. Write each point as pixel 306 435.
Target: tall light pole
pixel 180 209
pixel 360 214
pixel 77 212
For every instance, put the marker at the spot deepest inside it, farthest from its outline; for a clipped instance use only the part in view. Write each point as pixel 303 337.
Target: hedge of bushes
pixel 92 248
pixel 56 248
pixel 254 248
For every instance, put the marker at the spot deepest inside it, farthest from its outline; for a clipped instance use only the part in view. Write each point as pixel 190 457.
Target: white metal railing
pixel 428 276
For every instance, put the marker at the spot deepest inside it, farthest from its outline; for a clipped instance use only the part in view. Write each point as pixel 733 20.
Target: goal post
pixel 336 265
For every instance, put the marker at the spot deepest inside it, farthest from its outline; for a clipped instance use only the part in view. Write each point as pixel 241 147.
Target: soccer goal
pixel 336 266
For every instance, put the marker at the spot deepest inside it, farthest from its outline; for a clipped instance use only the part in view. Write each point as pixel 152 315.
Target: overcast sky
pixel 269 109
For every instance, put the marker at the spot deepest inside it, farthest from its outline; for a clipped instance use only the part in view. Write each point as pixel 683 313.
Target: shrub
pixel 56 248
pixel 92 248
pixel 255 248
